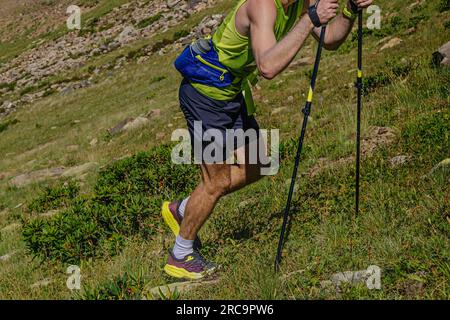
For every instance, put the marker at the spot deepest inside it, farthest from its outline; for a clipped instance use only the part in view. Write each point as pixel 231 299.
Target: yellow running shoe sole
pixel 181 273
pixel 169 219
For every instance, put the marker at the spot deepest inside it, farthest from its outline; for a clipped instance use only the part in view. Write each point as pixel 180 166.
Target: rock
pixel 79 170
pixel 154 113
pixel 442 56
pixel 399 160
pixel 414 4
pixel 141 60
pixel 126 35
pixel 172 3
pixel 119 127
pixel 163 292
pixel 71 51
pixel 37 176
pixel 278 110
pixel 7 256
pixel 352 277
pixel 42 283
pixel 290 99
pixel 66 91
pixel 93 142
pixel 8 105
pixel 391 43
pixel 114 45
pixel 137 123
pixel 410 31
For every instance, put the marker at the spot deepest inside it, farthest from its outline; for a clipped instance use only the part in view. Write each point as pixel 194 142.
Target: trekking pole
pixel 306 111
pixel 359 86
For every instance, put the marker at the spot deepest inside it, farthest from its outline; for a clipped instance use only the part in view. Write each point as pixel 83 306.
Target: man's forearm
pixel 280 56
pixel 337 32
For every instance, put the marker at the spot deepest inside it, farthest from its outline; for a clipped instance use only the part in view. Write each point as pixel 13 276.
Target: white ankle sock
pixel 183 206
pixel 182 247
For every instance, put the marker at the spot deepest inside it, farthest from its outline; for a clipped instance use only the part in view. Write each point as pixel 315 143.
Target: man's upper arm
pixel 262 15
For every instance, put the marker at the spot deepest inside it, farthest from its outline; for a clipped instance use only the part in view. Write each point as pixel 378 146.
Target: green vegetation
pixel 180 34
pixel 5 124
pixel 54 198
pixel 125 287
pixel 148 21
pixel 109 223
pixel 126 200
pixel 9 86
pixel 395 72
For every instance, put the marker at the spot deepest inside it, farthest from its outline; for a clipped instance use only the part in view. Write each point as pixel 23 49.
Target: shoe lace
pixel 199 260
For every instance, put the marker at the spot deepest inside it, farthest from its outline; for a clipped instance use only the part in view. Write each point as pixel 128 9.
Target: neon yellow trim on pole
pixel 360 74
pixel 310 94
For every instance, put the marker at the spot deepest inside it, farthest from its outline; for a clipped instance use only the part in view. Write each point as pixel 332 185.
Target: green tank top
pixel 236 54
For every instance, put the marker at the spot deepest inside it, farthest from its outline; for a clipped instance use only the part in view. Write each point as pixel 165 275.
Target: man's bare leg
pixel 216 182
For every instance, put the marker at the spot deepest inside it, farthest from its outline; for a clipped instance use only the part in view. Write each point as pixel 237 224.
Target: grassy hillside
pixel 107 220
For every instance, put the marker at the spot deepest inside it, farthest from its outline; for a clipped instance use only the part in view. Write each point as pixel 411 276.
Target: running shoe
pixel 192 267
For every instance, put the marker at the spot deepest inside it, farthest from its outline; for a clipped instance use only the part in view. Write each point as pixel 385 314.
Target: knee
pixel 219 187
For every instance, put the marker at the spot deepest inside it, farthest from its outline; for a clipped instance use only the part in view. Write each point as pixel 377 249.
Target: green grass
pixel 148 21
pixel 20 44
pixel 403 225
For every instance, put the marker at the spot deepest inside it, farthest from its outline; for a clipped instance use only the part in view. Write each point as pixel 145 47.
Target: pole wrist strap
pixel 312 12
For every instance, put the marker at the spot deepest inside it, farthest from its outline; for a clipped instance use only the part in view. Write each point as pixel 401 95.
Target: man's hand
pixel 327 10
pixel 362 4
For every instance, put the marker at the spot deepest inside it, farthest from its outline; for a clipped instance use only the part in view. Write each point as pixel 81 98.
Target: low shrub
pixel 125 287
pixel 8 85
pixel 54 198
pixel 126 200
pixel 148 21
pixel 161 44
pixel 180 34
pixel 384 78
pixel 5 125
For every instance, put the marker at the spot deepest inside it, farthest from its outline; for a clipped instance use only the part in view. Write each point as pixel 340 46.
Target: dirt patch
pixel 373 140
pixel 413 286
pixel 376 138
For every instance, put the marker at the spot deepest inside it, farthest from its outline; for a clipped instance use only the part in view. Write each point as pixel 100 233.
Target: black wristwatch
pixel 312 12
pixel 353 7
